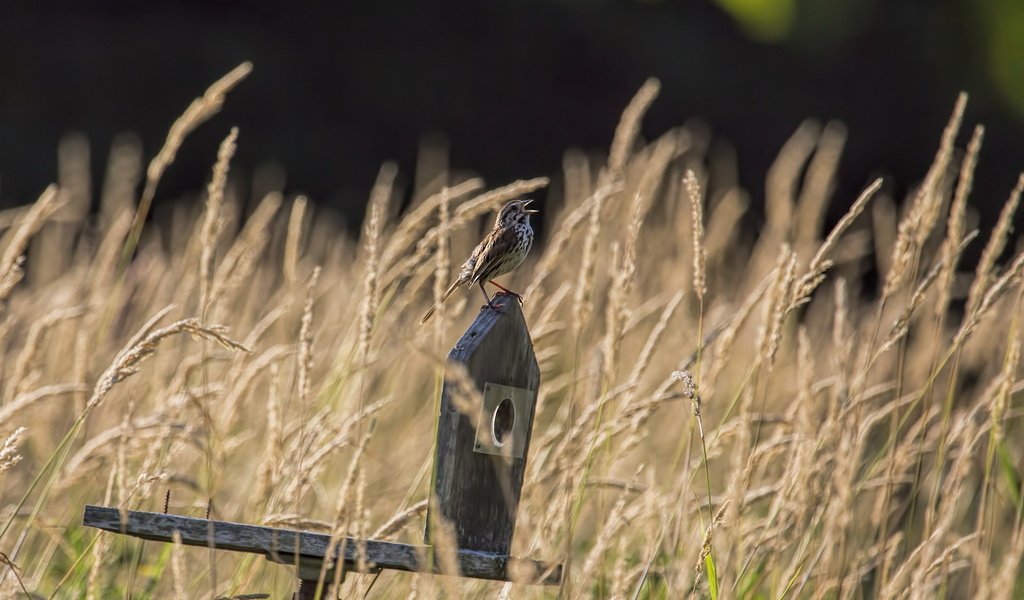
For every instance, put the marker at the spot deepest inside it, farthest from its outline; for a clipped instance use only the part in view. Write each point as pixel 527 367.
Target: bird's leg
pixel 506 290
pixel 490 304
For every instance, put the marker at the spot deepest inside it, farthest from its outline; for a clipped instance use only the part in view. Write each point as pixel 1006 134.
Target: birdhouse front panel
pixel 481 452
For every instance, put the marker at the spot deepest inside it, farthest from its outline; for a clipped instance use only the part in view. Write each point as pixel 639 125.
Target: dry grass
pixel 846 442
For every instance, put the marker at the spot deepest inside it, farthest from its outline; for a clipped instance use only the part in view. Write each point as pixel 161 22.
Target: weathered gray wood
pixel 291 547
pixel 479 493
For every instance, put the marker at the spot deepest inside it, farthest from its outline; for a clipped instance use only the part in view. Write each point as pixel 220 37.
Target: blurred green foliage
pixel 996 28
pixel 766 20
pixel 1004 36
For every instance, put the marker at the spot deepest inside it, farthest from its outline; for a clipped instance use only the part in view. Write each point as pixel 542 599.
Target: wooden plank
pixel 288 546
pixel 479 493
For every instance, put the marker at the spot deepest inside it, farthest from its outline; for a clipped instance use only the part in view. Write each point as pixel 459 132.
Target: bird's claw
pixel 518 297
pixel 497 307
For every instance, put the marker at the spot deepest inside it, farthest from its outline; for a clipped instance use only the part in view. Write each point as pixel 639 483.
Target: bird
pixel 500 252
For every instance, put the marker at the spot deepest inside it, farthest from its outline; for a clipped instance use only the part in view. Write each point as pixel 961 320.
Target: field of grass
pixel 725 410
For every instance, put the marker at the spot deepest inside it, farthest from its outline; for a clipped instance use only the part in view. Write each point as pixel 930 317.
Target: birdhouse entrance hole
pixel 503 425
pixel 502 421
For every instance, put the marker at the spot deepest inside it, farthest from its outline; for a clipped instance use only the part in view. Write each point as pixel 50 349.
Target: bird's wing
pixel 496 247
pixel 467 268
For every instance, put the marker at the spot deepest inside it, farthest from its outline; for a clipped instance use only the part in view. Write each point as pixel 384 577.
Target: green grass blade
pixel 1009 471
pixel 709 564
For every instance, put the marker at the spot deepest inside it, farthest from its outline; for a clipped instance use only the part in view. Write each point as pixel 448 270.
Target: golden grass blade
pixel 994 247
pixel 918 223
pixel 197 113
pixel 212 216
pixel 629 126
pixel 957 216
pixel 700 258
pixel 818 183
pixel 294 241
pixel 821 262
pixel 9 449
pixel 12 260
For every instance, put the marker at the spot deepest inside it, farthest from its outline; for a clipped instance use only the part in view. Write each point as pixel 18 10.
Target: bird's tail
pixel 451 290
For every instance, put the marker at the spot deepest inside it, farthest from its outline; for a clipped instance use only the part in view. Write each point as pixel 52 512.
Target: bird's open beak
pixel 528 211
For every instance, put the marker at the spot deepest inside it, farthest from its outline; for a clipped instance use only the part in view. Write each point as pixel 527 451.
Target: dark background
pixel 341 87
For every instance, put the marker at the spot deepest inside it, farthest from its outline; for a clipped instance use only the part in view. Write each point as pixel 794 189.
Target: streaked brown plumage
pixel 500 252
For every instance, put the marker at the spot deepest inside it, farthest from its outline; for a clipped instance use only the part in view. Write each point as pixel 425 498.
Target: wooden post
pixel 478 470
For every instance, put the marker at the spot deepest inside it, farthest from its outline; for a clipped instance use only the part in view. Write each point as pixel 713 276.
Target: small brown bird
pixel 500 252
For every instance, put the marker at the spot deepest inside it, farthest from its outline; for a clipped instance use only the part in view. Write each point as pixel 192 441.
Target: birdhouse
pixel 480 458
